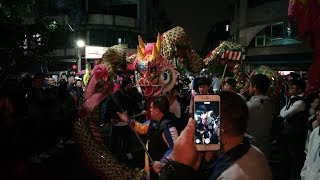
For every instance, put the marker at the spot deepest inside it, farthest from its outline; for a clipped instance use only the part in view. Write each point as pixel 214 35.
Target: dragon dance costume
pixel 157 74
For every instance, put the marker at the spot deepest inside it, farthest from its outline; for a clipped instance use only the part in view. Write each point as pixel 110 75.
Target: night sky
pixel 196 17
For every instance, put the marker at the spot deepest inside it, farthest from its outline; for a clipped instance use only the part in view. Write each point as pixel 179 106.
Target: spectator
pixel 293 135
pixel 238 159
pixel 123 139
pixel 311 168
pixel 175 107
pixel 261 111
pixel 231 86
pixel 79 92
pixel 51 82
pixel 216 82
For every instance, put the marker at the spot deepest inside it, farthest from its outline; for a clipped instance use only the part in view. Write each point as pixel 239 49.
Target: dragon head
pixel 157 74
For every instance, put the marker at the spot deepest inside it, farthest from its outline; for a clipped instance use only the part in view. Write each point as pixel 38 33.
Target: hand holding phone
pixel 207 117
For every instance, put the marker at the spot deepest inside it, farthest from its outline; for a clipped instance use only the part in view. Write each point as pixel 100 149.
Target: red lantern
pixel 74 67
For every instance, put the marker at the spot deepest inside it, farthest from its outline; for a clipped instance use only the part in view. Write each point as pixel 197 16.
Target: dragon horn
pixel 140 53
pixel 141 44
pixel 158 43
pixel 155 53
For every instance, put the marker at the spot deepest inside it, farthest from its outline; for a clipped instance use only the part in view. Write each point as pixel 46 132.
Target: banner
pixel 95 52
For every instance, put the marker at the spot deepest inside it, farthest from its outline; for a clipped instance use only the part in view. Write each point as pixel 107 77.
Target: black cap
pixel 232 82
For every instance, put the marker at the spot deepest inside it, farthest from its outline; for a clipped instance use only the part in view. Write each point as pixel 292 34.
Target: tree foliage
pixel 28 42
pixel 41 38
pixel 14 11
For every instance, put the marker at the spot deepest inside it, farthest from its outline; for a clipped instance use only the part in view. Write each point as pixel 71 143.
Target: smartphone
pixel 207 117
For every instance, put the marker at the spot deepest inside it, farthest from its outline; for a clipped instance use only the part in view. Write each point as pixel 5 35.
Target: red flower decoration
pixel 100 72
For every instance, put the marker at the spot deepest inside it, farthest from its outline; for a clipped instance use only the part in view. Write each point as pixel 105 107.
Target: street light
pixel 80 44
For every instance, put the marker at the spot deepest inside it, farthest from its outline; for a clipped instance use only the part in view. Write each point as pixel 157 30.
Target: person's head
pixel 126 84
pixel 79 83
pixel 51 81
pixel 315 104
pixel 204 118
pixel 297 87
pixel 230 85
pixel 203 85
pixel 234 114
pixel 259 85
pixel 63 77
pixel 293 76
pixel 159 107
pixel 38 80
pixel 71 80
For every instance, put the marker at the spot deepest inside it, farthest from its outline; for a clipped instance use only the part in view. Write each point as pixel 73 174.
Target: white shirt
pixel 311 168
pixel 296 107
pixel 175 108
pixel 216 83
pixel 251 166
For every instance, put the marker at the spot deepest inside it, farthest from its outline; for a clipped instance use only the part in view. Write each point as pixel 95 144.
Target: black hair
pixel 234 113
pixel 299 83
pixel 203 81
pixel 71 75
pixel 232 82
pixel 177 87
pixel 162 103
pixel 294 75
pixel 311 97
pixel 261 81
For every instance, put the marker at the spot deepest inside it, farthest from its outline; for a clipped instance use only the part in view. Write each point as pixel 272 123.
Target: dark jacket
pixel 157 145
pixel 175 170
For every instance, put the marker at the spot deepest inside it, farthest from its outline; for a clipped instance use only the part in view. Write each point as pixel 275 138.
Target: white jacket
pixel 311 168
pixel 251 166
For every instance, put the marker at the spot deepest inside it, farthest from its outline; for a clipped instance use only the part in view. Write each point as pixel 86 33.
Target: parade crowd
pixel 37 113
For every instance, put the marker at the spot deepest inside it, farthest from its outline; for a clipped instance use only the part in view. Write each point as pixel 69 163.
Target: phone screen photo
pixel 207 117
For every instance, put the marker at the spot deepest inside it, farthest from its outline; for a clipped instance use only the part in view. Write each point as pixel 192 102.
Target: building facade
pixel 218 32
pixel 262 27
pixel 97 22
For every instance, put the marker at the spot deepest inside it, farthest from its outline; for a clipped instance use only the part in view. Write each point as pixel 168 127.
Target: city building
pixel 262 26
pixel 101 23
pixel 217 33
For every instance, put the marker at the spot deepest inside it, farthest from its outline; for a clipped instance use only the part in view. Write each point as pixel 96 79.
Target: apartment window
pixel 96 38
pixel 277 30
pixel 260 41
pixel 127 10
pixel 120 40
pixel 59 4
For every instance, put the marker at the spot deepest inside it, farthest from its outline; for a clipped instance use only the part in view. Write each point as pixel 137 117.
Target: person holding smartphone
pixel 236 159
pixel 202 87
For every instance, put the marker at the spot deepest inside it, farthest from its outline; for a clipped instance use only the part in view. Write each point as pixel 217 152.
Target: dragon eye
pixel 165 77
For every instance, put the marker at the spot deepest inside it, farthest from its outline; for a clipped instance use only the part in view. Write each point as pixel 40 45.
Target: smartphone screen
pixel 207 117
